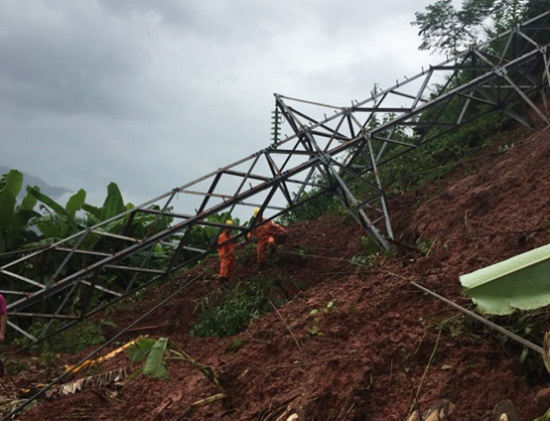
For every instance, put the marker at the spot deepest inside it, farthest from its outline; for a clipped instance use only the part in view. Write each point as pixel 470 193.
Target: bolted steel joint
pixel 500 71
pixel 325 158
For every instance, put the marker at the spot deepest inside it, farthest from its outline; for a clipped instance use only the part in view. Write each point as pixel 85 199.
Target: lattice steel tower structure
pixel 328 150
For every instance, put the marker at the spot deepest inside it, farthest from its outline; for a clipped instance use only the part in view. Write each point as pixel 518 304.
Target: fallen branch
pixel 141 328
pixel 278 412
pixel 202 402
pixel 207 371
pixel 99 380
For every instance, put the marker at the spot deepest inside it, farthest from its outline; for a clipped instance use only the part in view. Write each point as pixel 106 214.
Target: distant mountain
pixel 31 180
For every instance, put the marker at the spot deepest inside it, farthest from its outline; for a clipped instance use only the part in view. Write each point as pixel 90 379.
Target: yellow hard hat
pixel 229 222
pixel 256 211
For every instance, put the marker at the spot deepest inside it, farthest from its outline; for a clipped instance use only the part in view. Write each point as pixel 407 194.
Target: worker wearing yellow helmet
pixel 226 253
pixel 269 234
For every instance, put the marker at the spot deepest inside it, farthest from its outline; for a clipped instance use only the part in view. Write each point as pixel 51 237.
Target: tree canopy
pixel 446 29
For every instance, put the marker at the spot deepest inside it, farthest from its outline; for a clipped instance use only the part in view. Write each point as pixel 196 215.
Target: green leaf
pixel 113 204
pixel 56 207
pixel 519 283
pixel 75 202
pixel 7 204
pixel 545 417
pixel 47 227
pixel 155 366
pixel 28 203
pixel 523 355
pixel 139 350
pixel 35 191
pixel 13 181
pixel 236 345
pixel 22 218
pixel 92 210
pixel 133 375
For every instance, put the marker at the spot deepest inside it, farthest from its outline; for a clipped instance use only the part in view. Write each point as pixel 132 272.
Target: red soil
pixel 385 343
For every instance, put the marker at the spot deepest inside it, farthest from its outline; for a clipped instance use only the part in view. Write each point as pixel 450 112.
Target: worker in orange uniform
pixel 226 253
pixel 268 234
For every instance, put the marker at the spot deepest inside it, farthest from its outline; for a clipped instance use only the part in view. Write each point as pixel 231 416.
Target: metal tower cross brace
pixel 338 154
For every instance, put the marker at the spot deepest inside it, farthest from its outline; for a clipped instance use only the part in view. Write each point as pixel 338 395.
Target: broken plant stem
pixel 202 402
pixel 207 371
pixel 414 399
pixel 430 360
pixel 286 325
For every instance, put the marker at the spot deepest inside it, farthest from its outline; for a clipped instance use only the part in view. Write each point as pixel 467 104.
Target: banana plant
pixel 63 221
pixel 155 353
pixel 113 205
pixel 14 219
pixel 60 222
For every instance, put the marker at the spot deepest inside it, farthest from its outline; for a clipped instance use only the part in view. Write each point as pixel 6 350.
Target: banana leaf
pixel 114 204
pixel 519 283
pixel 75 202
pixel 10 185
pixel 141 349
pixel 94 211
pixel 8 194
pixel 155 366
pixel 50 228
pixel 56 207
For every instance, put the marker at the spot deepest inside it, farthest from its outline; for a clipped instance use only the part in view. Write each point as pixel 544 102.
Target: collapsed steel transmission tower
pixel 334 154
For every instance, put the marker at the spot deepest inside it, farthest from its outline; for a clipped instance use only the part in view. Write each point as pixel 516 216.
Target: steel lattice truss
pixel 322 154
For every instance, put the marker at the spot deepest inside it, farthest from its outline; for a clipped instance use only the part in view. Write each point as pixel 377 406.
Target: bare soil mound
pixel 383 347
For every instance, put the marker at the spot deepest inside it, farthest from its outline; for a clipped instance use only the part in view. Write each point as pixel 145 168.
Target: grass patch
pixel 237 307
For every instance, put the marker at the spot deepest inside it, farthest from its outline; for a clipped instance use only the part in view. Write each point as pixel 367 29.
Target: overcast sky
pixel 152 94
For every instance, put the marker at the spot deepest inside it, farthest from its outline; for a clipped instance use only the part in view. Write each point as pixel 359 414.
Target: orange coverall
pixel 268 234
pixel 226 254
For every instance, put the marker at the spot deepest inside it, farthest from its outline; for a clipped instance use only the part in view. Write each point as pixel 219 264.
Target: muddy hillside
pixel 376 347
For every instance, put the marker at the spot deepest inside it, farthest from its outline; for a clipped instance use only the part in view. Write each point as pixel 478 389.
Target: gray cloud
pixel 155 94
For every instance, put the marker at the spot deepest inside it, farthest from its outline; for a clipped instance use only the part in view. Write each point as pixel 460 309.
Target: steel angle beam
pixel 500 79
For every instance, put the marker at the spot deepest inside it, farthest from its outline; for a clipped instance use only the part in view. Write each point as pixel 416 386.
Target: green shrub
pixel 239 306
pixel 314 206
pixel 76 338
pixel 69 341
pixel 435 158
